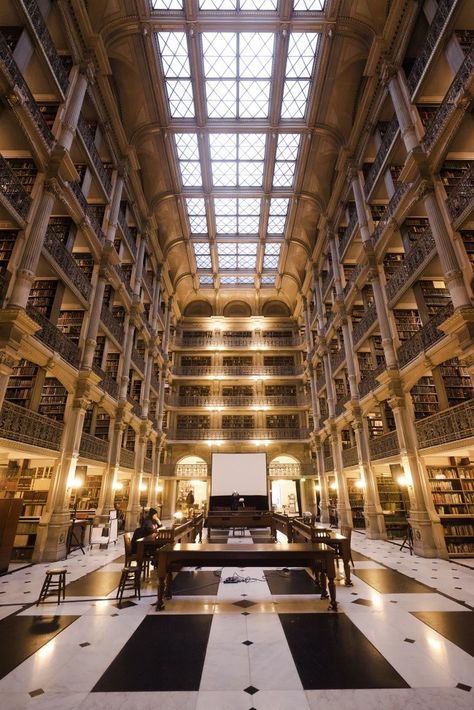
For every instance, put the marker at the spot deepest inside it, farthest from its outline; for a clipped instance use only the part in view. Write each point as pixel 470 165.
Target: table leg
pixel 323 583
pixel 332 594
pixel 168 585
pixel 161 588
pixel 347 573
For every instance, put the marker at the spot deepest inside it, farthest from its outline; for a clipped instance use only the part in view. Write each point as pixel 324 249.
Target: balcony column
pixel 391 80
pixel 147 384
pixel 127 356
pixel 349 352
pixel 167 330
pixel 53 529
pixel 107 490
pixel 428 537
pixel 323 483
pixel 155 309
pixel 452 273
pixel 344 511
pixel 160 406
pixel 314 397
pixel 94 317
pixel 318 301
pixel 139 267
pixel 132 514
pixel 74 102
pixel 335 261
pixel 374 519
pixel 115 204
pixel 151 501
pixel 34 241
pixel 329 381
pixel 373 274
pixel 307 324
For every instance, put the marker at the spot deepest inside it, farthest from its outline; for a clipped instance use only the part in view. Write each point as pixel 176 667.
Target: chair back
pixel 346 531
pixel 321 534
pixel 140 553
pixel 127 543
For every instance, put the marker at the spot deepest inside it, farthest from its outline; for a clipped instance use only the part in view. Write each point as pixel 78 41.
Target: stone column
pixel 134 508
pixel 139 266
pixel 428 536
pixel 147 384
pixel 126 358
pixel 374 519
pixel 323 483
pixel 452 273
pixel 74 103
pixel 166 332
pixel 94 318
pixel 160 406
pixel 107 491
pixel 344 512
pixel 54 525
pixel 115 205
pixel 407 129
pixel 307 324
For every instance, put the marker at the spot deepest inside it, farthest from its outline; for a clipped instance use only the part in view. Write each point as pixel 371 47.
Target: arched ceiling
pixel 237 111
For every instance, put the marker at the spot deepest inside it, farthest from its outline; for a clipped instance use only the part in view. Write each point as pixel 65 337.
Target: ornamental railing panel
pixel 88 140
pixel 353 277
pixel 19 424
pixel 391 209
pixel 350 456
pixel 124 279
pixel 384 446
pixel 414 262
pixel 450 102
pixel 107 382
pixel 424 338
pixel 360 330
pixel 147 465
pixel 17 80
pixel 328 464
pixel 385 147
pixel 339 407
pixel 127 458
pixel 238 434
pixel 127 234
pixel 91 216
pixel 337 359
pixel 435 32
pixel 454 424
pixel 55 339
pixel 349 231
pixel 91 447
pixel 291 470
pixel 461 198
pixel 237 370
pixel 67 263
pixel 13 191
pixel 38 25
pixel 138 360
pixel 112 325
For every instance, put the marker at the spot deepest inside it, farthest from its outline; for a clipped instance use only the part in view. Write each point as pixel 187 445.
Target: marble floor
pixel 403 638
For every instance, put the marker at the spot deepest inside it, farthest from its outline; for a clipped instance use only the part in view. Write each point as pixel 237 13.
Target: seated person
pixel 147 529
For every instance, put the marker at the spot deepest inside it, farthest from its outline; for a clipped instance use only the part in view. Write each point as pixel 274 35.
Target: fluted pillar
pixel 126 358
pixel 391 78
pixel 344 512
pixel 452 274
pixel 115 205
pixel 374 519
pixel 107 490
pixel 166 333
pixel 307 324
pixel 323 484
pixel 74 103
pixel 94 319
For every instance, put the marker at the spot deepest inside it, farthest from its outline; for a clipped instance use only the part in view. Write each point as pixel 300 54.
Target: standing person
pixel 235 500
pixel 190 502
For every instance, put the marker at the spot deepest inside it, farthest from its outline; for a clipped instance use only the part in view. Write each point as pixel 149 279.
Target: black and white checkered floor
pixel 403 638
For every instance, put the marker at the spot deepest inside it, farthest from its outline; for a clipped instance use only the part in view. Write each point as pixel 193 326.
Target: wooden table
pixel 239 519
pixel 340 543
pixel 319 557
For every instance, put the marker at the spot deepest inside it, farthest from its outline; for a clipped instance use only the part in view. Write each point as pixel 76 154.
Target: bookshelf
pixel 413 227
pixel 193 421
pixel 237 421
pixel 426 113
pixel 49 110
pixel 25 170
pixel 395 505
pixel 99 350
pixel 279 390
pixel 456 382
pixel 42 296
pixel 53 399
pixel 112 364
pixel 408 323
pixel 61 226
pixel 21 382
pixel 7 242
pixel 85 262
pixel 453 172
pixel 25 537
pixel 465 39
pixel 70 323
pixel 452 488
pixel 424 397
pixel 196 361
pixel 236 360
pixel 375 425
pixel 282 421
pixel 391 262
pixel 468 241
pixel 277 360
pixel 356 500
pixel 435 295
pixel 102 425
pixel 194 391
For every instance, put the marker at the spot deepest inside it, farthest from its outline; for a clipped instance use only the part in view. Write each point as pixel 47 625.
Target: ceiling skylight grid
pixel 277 216
pixel 237 216
pixel 299 70
pixel 196 209
pixel 237 160
pixel 272 256
pixel 237 71
pixel 243 5
pixel 173 50
pixel 285 159
pixel 202 254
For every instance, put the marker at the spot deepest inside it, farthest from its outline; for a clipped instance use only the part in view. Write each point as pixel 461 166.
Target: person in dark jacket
pixel 147 529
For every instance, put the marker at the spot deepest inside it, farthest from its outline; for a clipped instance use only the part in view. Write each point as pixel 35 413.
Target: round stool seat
pixel 54 583
pixel 56 570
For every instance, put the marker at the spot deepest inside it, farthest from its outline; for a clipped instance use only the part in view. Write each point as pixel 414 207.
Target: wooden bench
pixel 318 557
pixel 315 533
pixel 282 523
pixel 238 519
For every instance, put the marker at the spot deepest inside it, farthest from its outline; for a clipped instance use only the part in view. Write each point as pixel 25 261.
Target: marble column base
pixel 428 536
pixel 375 525
pixel 51 539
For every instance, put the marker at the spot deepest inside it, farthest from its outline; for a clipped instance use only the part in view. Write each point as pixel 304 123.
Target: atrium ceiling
pixel 237 115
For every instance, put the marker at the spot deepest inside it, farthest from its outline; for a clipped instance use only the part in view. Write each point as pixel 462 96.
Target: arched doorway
pixel 191 488
pixel 285 492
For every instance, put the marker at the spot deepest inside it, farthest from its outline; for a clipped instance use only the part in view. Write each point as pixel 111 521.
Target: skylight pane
pixel 249 205
pixel 219 55
pixel 217 4
pixel 198 225
pixel 287 148
pixel 201 248
pixel 252 147
pixel 301 51
pixel 223 146
pixel 221 99
pixel 190 173
pixel 258 4
pixel 308 5
pixel 254 99
pixel 228 280
pixel 187 146
pixel 285 163
pixel 225 205
pixel 276 225
pixel 226 225
pixel 167 4
pixel 256 55
pixel 251 174
pixel 203 262
pixel 206 280
pixel 267 280
pixel 248 225
pixel 277 215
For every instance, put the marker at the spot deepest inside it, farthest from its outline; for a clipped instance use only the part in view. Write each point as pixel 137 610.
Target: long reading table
pixel 238 519
pixel 319 557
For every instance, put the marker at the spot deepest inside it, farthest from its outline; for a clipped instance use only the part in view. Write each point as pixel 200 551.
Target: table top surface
pixel 250 549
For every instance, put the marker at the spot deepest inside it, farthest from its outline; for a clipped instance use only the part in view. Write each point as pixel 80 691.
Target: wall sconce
pixel 142 487
pixel 117 486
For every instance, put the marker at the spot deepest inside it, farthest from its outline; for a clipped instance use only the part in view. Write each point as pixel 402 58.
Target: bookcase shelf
pixel 25 170
pixel 356 500
pixel 42 296
pixel 408 323
pixel 70 323
pixel 452 488
pixel 425 398
pixel 468 240
pixel 21 383
pixel 53 399
pixel 456 381
pixel 395 505
pixel 7 242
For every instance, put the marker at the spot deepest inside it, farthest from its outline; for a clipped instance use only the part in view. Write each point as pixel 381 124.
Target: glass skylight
pixel 308 5
pixel 277 216
pixel 237 160
pixel 167 4
pixel 188 156
pixel 206 280
pixel 299 69
pixel 238 4
pixel 234 255
pixel 285 160
pixel 237 216
pixel 237 280
pixel 237 70
pixel 272 256
pixel 202 254
pixel 197 215
pixel 173 50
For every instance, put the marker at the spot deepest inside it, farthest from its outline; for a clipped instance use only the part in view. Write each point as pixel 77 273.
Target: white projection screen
pixel 245 473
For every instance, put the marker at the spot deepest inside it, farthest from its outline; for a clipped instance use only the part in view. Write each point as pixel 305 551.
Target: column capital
pixel 388 71
pixel 425 188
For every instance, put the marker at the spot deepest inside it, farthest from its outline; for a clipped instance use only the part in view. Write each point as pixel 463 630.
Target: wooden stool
pixel 54 583
pixel 131 575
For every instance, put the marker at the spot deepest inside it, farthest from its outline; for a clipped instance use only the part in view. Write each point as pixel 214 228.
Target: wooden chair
pixel 132 574
pixel 346 531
